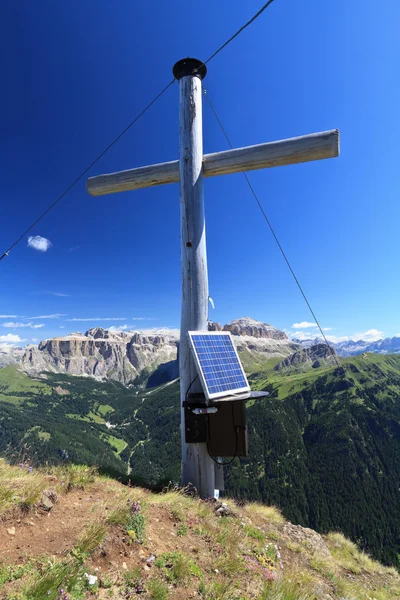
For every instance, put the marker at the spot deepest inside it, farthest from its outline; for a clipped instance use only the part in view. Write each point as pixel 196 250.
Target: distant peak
pixel 251 327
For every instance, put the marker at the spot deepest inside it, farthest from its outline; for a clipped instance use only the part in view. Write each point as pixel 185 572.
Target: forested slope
pixel 324 446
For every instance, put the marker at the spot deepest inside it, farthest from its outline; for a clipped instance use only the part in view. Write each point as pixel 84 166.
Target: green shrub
pixel 157 589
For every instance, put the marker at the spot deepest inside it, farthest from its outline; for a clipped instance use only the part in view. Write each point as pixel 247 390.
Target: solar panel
pixel 218 364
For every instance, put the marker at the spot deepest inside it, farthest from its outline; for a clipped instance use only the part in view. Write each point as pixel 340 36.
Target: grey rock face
pixel 213 326
pixel 102 353
pixel 124 356
pixel 315 355
pixel 256 329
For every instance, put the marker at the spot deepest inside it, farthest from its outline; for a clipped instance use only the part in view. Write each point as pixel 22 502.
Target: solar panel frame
pixel 206 378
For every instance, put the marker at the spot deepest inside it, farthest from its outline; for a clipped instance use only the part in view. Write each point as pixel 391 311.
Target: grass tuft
pixel 90 539
pixel 267 513
pixel 75 476
pixel 254 532
pixel 6 498
pixel 287 590
pixel 348 556
pixel 158 590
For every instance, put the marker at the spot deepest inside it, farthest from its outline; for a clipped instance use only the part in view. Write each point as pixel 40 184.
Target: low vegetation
pixel 105 540
pixel 324 445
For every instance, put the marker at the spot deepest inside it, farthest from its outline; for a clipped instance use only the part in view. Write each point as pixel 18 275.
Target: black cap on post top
pixel 189 66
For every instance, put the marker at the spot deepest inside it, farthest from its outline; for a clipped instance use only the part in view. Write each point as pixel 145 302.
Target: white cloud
pixel 118 327
pixel 37 242
pixel 10 338
pixel 18 325
pixel 8 316
pixel 55 316
pixel 159 331
pixel 302 335
pixel 312 335
pixel 336 339
pixel 303 325
pixel 99 319
pixel 62 326
pixel 327 328
pixel 372 335
pixel 6 348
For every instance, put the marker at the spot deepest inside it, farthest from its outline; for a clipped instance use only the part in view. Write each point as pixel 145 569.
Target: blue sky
pixel 75 73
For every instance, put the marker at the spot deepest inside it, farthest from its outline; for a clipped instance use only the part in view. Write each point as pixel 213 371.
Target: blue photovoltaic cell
pixel 220 366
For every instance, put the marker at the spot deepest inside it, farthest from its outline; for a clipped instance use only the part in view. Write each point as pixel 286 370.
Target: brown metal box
pixel 227 430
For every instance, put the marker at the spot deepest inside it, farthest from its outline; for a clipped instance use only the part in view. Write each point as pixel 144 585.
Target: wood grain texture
pixel 197 466
pixel 316 146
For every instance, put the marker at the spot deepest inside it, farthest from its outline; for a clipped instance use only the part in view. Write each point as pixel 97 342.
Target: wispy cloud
pixel 54 316
pixel 10 338
pixel 118 328
pixel 142 319
pixel 46 293
pixel 303 325
pixel 8 316
pixel 18 325
pixel 327 328
pixel 37 242
pixel 97 319
pixel 73 249
pixel 62 326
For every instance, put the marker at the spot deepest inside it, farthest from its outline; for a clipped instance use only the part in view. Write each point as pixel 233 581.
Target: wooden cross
pixel 197 466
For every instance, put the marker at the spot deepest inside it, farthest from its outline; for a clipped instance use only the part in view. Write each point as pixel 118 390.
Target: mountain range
pixel 352 348
pixel 129 357
pixel 324 446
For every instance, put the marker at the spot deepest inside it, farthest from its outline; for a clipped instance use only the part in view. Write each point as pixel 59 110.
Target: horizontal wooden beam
pixel 306 148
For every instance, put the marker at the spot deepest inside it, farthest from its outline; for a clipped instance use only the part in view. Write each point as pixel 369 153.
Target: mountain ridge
pixel 127 357
pixel 389 345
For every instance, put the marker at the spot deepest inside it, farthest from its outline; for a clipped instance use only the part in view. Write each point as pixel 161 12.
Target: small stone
pixel 223 510
pixel 124 566
pixel 91 579
pixel 11 530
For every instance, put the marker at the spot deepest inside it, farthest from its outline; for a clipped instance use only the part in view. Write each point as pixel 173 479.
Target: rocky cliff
pixel 125 356
pixel 102 353
pixel 314 356
pixel 256 329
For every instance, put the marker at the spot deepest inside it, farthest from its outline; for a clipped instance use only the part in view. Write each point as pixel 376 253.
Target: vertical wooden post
pixel 197 466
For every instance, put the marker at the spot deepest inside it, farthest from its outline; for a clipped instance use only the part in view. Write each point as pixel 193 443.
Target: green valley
pixel 324 445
